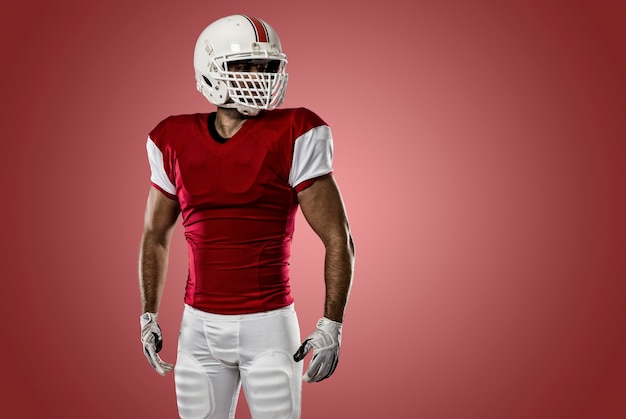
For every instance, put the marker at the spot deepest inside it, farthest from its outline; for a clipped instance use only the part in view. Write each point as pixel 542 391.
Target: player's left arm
pixel 323 207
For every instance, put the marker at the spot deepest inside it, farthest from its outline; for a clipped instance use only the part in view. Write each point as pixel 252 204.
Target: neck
pixel 228 121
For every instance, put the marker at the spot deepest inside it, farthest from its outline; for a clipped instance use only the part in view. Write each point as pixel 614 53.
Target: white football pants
pixel 217 353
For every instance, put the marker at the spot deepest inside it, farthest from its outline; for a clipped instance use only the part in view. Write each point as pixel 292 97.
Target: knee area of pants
pixel 194 391
pixel 272 390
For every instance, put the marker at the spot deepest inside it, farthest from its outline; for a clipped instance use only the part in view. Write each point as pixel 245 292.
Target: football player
pixel 236 177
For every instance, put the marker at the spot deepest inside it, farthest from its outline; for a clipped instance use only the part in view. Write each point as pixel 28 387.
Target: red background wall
pixel 480 148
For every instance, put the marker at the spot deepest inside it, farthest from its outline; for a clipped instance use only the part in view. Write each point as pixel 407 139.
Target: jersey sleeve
pixel 160 169
pixel 312 157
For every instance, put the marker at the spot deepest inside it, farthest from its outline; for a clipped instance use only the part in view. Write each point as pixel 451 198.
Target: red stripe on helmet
pixel 259 29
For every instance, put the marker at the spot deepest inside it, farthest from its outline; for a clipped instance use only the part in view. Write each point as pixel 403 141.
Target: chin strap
pixel 244 110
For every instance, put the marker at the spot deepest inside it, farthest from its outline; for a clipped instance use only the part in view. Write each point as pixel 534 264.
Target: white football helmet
pixel 245 39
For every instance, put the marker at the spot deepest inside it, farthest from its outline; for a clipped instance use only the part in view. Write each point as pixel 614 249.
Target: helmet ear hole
pixel 215 90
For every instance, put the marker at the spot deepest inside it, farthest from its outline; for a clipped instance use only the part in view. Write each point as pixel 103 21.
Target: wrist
pixel 329 326
pixel 325 321
pixel 333 317
pixel 148 317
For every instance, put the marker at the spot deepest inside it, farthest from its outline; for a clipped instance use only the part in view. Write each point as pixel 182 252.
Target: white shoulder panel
pixel 158 176
pixel 312 155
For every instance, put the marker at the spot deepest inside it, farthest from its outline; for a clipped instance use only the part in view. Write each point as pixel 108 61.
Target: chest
pixel 243 171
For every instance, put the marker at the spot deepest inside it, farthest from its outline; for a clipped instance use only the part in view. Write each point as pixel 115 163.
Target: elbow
pixel 341 242
pixel 152 238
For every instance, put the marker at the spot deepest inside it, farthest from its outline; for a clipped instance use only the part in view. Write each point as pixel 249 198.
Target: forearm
pixel 338 274
pixel 153 261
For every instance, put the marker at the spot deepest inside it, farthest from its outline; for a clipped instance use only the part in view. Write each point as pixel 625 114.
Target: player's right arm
pixel 159 222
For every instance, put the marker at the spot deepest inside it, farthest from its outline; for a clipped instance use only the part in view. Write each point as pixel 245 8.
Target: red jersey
pixel 238 201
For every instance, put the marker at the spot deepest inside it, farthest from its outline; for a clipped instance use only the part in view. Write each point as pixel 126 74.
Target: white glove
pixel 325 342
pixel 153 342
